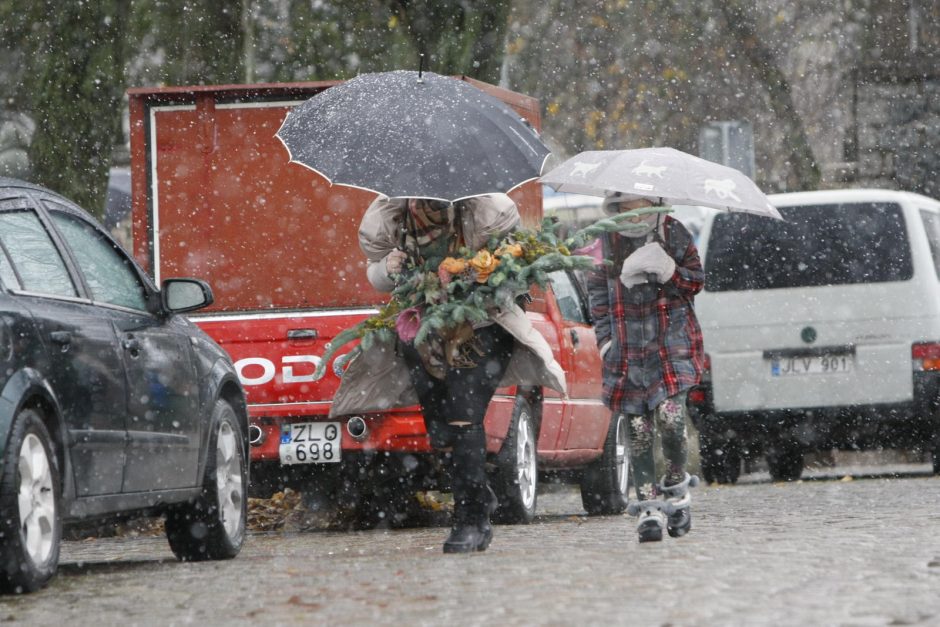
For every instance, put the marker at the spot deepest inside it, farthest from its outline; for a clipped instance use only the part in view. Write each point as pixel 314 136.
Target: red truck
pixel 215 197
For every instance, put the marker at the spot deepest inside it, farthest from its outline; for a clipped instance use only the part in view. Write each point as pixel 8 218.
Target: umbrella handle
pixel 403 229
pixel 651 277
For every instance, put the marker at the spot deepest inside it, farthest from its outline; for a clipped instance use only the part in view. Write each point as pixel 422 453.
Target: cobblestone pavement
pixel 843 551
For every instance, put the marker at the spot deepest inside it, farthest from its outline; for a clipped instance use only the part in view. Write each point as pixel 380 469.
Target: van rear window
pixel 815 245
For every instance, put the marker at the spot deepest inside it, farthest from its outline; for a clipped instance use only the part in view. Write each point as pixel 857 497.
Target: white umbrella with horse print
pixel 664 175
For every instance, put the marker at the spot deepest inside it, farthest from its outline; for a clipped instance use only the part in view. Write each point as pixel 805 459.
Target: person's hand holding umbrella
pixel 631 274
pixel 395 262
pixel 649 262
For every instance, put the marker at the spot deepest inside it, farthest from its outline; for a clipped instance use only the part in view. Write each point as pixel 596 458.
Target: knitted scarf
pixel 428 232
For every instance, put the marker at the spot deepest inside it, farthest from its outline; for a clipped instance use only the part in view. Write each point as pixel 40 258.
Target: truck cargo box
pixel 215 197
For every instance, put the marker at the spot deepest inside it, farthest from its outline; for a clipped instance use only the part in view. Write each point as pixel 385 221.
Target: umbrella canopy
pixel 411 134
pixel 665 175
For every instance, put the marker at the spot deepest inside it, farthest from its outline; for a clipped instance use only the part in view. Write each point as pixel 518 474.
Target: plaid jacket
pixel 656 341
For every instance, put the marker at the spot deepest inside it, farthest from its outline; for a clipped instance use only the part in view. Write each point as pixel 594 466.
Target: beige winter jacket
pixel 378 379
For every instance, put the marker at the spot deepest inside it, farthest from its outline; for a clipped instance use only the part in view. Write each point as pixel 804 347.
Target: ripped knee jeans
pixel 462 397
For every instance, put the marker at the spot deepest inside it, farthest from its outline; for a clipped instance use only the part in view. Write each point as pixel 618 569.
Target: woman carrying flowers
pixel 433 257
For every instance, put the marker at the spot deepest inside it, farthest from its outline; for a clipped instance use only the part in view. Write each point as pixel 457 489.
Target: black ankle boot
pixel 472 530
pixel 467 538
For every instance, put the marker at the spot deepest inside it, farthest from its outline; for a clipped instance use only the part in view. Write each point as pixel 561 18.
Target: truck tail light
pixel 925 356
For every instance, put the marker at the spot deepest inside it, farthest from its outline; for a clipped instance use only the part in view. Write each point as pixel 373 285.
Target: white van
pixel 822 331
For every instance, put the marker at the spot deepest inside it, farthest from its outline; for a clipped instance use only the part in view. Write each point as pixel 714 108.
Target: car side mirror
pixel 179 295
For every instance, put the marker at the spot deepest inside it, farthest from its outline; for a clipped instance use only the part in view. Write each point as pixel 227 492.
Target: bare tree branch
pixel 804 171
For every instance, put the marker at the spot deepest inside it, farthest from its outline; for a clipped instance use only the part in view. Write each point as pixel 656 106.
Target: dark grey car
pixel 110 401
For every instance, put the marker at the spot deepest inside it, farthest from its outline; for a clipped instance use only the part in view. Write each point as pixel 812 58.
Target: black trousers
pixel 462 397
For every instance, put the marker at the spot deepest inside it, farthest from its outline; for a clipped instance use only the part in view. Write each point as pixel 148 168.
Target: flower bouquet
pixel 439 297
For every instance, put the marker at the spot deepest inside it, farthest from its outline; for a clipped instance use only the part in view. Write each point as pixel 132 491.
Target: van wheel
pixel 516 478
pixel 30 506
pixel 785 461
pixel 605 483
pixel 720 458
pixel 213 525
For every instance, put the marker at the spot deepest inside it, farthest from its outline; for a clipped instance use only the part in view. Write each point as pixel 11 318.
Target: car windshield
pixel 815 245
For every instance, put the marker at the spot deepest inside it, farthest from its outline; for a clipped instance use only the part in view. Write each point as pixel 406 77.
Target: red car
pixel 214 196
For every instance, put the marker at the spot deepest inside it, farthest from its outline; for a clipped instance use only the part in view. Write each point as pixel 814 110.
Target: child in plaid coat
pixel 651 347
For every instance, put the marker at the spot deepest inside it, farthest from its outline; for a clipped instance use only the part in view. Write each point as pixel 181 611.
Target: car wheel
pixel 785 461
pixel 213 525
pixel 720 458
pixel 605 483
pixel 30 506
pixel 516 477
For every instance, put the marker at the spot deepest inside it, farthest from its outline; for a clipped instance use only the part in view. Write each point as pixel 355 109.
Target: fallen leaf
pixel 296 600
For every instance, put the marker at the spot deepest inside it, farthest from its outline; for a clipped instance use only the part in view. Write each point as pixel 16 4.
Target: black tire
pixel 29 540
pixel 213 526
pixel 785 461
pixel 605 483
pixel 516 478
pixel 720 458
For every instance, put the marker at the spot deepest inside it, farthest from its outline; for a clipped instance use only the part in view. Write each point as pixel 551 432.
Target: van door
pixel 805 312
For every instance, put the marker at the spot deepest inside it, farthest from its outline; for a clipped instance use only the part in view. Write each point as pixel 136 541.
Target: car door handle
pixel 575 338
pixel 131 344
pixel 63 338
pixel 302 334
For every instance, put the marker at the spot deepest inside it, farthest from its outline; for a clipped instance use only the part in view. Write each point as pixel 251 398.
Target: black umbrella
pixel 413 134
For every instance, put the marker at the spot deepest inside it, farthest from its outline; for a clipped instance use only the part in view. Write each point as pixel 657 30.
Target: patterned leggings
pixel 670 418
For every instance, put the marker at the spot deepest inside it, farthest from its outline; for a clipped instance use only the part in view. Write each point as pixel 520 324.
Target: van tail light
pixel 926 356
pixel 697 396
